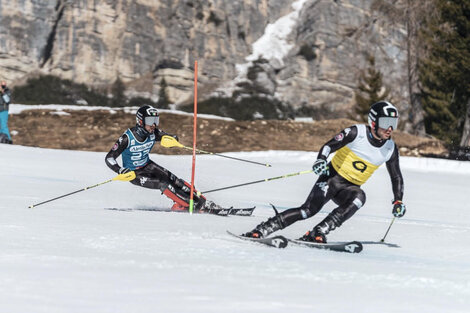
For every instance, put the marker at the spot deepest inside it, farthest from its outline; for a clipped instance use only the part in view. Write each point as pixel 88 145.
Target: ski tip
pixel 274 208
pixel 230 233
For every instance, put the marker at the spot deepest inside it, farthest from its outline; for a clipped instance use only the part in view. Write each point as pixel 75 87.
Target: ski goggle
pixel 150 120
pixel 387 122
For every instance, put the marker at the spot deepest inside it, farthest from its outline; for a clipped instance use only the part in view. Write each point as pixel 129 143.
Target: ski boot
pixel 180 194
pixel 210 207
pixel 253 234
pixel 314 236
pixel 265 228
pixel 319 232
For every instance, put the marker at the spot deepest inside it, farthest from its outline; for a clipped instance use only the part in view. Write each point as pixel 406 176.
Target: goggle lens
pixel 387 122
pixel 150 120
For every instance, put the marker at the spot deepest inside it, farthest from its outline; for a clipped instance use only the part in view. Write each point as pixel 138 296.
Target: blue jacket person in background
pixel 5 99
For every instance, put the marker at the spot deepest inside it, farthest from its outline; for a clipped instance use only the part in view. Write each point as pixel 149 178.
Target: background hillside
pixel 307 54
pixel 97 130
pixel 268 59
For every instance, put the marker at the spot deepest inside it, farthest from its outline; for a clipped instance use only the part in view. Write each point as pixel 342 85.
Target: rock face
pixel 314 60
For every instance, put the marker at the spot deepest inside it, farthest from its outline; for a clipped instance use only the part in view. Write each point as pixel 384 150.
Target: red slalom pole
pixel 193 170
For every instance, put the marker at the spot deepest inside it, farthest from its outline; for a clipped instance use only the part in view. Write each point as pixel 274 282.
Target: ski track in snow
pixel 116 248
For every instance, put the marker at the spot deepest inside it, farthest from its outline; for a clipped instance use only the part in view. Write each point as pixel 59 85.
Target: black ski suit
pixel 151 175
pixel 343 187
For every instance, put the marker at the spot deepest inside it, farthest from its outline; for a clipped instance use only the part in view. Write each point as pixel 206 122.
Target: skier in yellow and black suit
pixel 360 150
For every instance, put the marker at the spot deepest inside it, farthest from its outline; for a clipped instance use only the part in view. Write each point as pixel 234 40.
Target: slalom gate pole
pixel 169 142
pixel 383 239
pixel 193 169
pixel 259 181
pixel 122 177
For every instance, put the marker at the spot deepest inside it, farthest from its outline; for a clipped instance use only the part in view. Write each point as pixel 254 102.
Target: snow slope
pixel 78 255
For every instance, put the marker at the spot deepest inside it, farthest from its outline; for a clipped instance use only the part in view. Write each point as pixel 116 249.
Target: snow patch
pixel 59 110
pixel 273 46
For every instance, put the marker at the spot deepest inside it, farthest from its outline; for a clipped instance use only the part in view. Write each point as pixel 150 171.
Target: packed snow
pixel 117 248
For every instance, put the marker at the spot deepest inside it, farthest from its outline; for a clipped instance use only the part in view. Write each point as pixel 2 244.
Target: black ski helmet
pixel 383 114
pixel 147 115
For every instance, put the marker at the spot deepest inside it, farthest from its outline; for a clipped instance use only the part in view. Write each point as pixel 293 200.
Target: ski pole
pixel 383 239
pixel 169 142
pixel 122 177
pixel 258 181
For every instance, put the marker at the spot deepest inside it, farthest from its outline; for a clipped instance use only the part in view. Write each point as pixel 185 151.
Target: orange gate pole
pixel 193 170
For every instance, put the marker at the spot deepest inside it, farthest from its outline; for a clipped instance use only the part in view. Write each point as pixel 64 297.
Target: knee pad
pixel 362 197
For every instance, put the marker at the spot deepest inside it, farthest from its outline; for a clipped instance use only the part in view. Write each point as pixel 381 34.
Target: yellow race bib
pixel 351 167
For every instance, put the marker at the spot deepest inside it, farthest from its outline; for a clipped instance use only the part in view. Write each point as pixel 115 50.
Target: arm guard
pixel 120 145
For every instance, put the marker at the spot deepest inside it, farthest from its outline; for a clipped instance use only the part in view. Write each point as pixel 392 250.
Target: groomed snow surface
pixel 77 254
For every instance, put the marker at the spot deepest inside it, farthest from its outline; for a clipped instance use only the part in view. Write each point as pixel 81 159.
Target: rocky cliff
pixel 302 52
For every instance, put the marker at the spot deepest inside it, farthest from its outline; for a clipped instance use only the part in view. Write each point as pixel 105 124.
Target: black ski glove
pixel 160 133
pixel 320 167
pixel 399 209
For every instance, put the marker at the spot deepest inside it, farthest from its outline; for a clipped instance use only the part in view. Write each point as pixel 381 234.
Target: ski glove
pixel 173 136
pixel 160 133
pixel 124 170
pixel 320 167
pixel 399 209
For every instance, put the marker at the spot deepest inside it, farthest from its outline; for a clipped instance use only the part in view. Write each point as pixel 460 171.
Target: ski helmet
pixel 147 115
pixel 383 114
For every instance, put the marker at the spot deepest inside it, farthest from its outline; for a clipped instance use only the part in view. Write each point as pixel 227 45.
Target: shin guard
pixel 181 198
pixel 180 204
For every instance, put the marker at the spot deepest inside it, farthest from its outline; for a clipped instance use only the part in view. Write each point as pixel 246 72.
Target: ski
pixel 351 247
pixel 276 241
pixel 215 211
pixel 218 211
pixel 241 211
pixel 229 211
pixel 137 209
